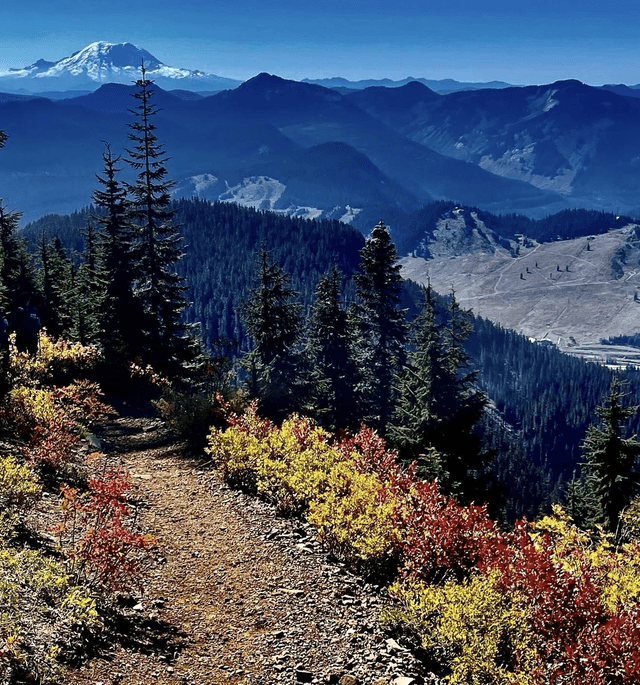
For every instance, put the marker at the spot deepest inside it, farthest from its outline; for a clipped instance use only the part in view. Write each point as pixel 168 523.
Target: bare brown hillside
pixel 571 292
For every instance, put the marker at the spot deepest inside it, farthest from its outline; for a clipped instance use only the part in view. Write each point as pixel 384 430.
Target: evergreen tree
pixel 88 291
pixel 331 357
pixel 416 418
pixel 440 405
pixel 56 287
pixel 122 320
pixel 16 273
pixel 382 326
pixel 459 405
pixel 272 317
pixel 160 288
pixel 610 459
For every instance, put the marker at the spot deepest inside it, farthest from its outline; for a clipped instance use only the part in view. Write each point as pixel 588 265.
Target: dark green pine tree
pixel 16 273
pixel 56 288
pixel 459 405
pixel 168 347
pixel 416 418
pixel 88 290
pixel 382 326
pixel 122 316
pixel 331 357
pixel 610 466
pixel 272 317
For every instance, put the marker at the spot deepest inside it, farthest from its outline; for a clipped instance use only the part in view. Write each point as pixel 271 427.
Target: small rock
pixel 348 679
pixel 292 592
pixel 94 441
pixel 393 646
pixel 404 680
pixel 304 676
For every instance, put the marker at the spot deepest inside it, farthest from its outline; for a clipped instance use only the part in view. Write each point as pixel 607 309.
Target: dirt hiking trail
pixel 237 594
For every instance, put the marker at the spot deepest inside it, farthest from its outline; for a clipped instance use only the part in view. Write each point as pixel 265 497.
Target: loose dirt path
pixel 239 595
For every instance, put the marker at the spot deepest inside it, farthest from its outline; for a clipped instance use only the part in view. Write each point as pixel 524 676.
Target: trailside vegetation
pixel 56 592
pixel 542 602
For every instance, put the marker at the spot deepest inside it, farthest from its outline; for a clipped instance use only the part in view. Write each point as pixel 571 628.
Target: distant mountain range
pixel 439 86
pixel 321 153
pixel 103 62
pixel 357 154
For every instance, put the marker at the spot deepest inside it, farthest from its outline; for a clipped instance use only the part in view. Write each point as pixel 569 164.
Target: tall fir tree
pixel 460 406
pixel 331 357
pixel 610 466
pixel 122 320
pixel 440 405
pixel 161 290
pixel 16 272
pixel 56 287
pixel 382 326
pixel 272 317
pixel 416 417
pixel 88 290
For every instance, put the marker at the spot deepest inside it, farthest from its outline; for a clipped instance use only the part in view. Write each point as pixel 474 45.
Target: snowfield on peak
pixel 103 62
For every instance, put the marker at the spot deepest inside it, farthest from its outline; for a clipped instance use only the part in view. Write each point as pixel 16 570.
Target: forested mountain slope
pixel 543 399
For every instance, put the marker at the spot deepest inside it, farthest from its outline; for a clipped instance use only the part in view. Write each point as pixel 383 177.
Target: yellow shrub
pixel 39 607
pixel 286 465
pixel 471 626
pixel 237 455
pixel 54 362
pixel 355 517
pixel 295 468
pixel 19 487
pixel 32 407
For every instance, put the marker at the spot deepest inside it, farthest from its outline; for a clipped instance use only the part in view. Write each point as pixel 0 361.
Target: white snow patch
pixel 551 101
pixel 202 182
pixel 302 212
pixel 259 192
pixel 350 214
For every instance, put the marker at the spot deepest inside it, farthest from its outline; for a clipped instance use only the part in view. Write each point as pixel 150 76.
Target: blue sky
pixel 526 42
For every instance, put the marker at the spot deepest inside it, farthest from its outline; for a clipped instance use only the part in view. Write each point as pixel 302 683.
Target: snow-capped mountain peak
pixel 103 56
pixel 103 62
